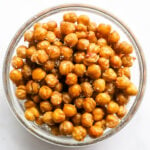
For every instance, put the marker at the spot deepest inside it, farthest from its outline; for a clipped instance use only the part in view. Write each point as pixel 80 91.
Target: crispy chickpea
pixel 79 69
pixel 81 34
pixel 28 36
pixel 67 27
pixel 38 74
pixel 43 45
pixel 51 80
pixel 66 98
pixel 36 25
pixel 112 121
pixel 32 87
pixel 47 118
pixel 79 102
pixel 69 110
pixel 15 75
pixel 66 128
pixel 70 17
pixel 36 98
pixel 21 92
pixel 79 57
pixel 17 62
pixel 115 61
pixel 65 67
pixel 58 43
pixel 76 119
pixel 71 39
pixel 58 33
pixel 110 88
pixel 83 44
pixel 59 87
pixel 92 37
pixel 101 42
pixel 104 29
pixel 103 98
pixel 92 26
pixel 51 25
pixel 103 63
pixel 81 27
pixel 31 113
pixel 113 37
pixel 106 52
pixel 89 104
pixel 58 115
pixel 101 124
pixel 122 99
pixel 93 48
pixel 39 120
pixel 30 51
pixel 87 120
pixel 131 90
pixel 56 98
pixel 99 85
pixel 66 52
pixel 122 111
pixel 87 89
pixel 125 48
pixel 94 71
pixel 127 61
pixel 90 58
pixel 29 104
pixel 50 37
pixel 124 72
pixel 45 92
pixel 71 79
pixel 112 107
pixel 49 65
pixel 21 51
pixel 39 33
pixel 109 75
pixel 98 114
pixel 45 106
pixel 83 19
pixel 95 131
pixel 45 26
pixel 26 71
pixel 122 82
pixel 55 130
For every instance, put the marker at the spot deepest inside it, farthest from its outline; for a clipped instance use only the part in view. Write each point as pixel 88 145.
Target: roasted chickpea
pixel 39 33
pixel 115 61
pixel 113 37
pixel 101 42
pixel 94 71
pixel 21 51
pixel 131 90
pixel 26 71
pixel 101 124
pixel 66 98
pixel 89 104
pixel 104 29
pixel 43 45
pixel 98 114
pixel 50 37
pixel 79 57
pixel 59 87
pixel 28 36
pixel 55 130
pixel 106 51
pixel 92 37
pixel 49 65
pixel 95 131
pixel 66 128
pixel 124 72
pixel 112 121
pixel 109 75
pixel 38 74
pixel 31 114
pixel 21 92
pixel 83 44
pixel 90 58
pixel 58 43
pixel 83 19
pixel 103 63
pixel 32 87
pixel 79 102
pixel 92 26
pixel 17 62
pixel 79 69
pixel 58 115
pixel 99 85
pixel 127 61
pixel 51 80
pixel 71 79
pixel 66 52
pixel 36 25
pixel 58 33
pixel 53 52
pixel 103 98
pixel 122 111
pixel 36 98
pixel 122 82
pixel 81 27
pixel 122 99
pixel 56 98
pixel 76 119
pixel 30 51
pixel 47 118
pixel 71 39
pixel 112 107
pixel 69 110
pixel 51 25
pixel 93 48
pixel 110 88
pixel 70 17
pixel 29 104
pixel 87 89
pixel 15 75
pixel 81 34
pixel 45 26
pixel 39 120
pixel 87 120
pixel 45 106
pixel 45 92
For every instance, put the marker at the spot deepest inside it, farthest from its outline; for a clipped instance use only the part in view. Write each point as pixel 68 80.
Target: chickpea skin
pixel 79 102
pixel 124 72
pixel 56 98
pixel 69 110
pixel 71 79
pixel 21 92
pixel 32 87
pixel 83 19
pixel 76 119
pixel 115 61
pixel 21 51
pixel 47 118
pixel 15 75
pixel 45 92
pixel 49 65
pixel 95 131
pixel 89 104
pixel 70 17
pixel 98 114
pixel 90 59
pixel 112 121
pixel 99 85
pixel 87 120
pixel 83 44
pixel 71 39
pixel 51 80
pixel 38 74
pixel 58 115
pixel 122 82
pixel 45 106
pixel 103 98
pixel 40 33
pixel 87 89
pixel 112 107
pixel 79 69
pixel 17 62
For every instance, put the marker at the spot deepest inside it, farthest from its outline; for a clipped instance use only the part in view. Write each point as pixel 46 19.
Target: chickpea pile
pixel 74 77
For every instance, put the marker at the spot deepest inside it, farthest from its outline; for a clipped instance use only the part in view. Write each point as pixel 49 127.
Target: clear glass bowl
pixel 138 71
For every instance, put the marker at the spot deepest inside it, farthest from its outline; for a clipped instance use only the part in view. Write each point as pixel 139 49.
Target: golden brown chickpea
pixel 66 98
pixel 69 110
pixel 109 75
pixel 71 79
pixel 45 106
pixel 17 62
pixel 90 58
pixel 89 104
pixel 122 111
pixel 87 89
pixel 65 67
pixel 58 115
pixel 66 52
pixel 98 114
pixel 26 71
pixel 55 130
pixel 28 36
pixel 21 92
pixel 56 98
pixel 29 104
pixel 66 128
pixel 32 87
pixel 58 43
pixel 81 27
pixel 112 107
pixel 36 98
pixel 59 87
pixel 113 37
pixel 79 102
pixel 94 71
pixel 58 33
pixel 21 51
pixel 45 25
pixel 67 27
pixel 99 85
pixel 131 90
pixel 70 17
pixel 81 34
pixel 15 75
pixel 103 63
pixel 92 37
pixel 122 82
pixel 38 74
pixel 112 121
pixel 40 33
pixel 104 29
pixel 83 19
pixel 101 124
pixel 51 80
pixel 71 39
pixel 50 37
pixel 124 72
pixel 115 61
pixel 87 120
pixel 43 45
pixel 51 25
pixel 83 44
pixel 30 51
pixel 122 99
pixel 127 61
pixel 102 42
pixel 103 98
pixel 79 69
pixel 95 131
pixel 106 52
pixel 79 57
pixel 76 119
pixel 47 118
pixel 93 48
pixel 39 121
pixel 110 88
pixel 49 65
pixel 31 113
pixel 92 26
pixel 36 25
pixel 45 92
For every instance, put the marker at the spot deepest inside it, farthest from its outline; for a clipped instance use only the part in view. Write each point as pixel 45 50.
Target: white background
pixel 136 14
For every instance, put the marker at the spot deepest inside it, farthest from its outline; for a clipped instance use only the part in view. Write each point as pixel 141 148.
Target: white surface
pixel 136 135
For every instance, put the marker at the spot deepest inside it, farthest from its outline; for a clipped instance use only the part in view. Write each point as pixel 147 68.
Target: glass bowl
pixel 138 71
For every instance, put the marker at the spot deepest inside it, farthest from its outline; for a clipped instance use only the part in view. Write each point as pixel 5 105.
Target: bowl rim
pixel 86 6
